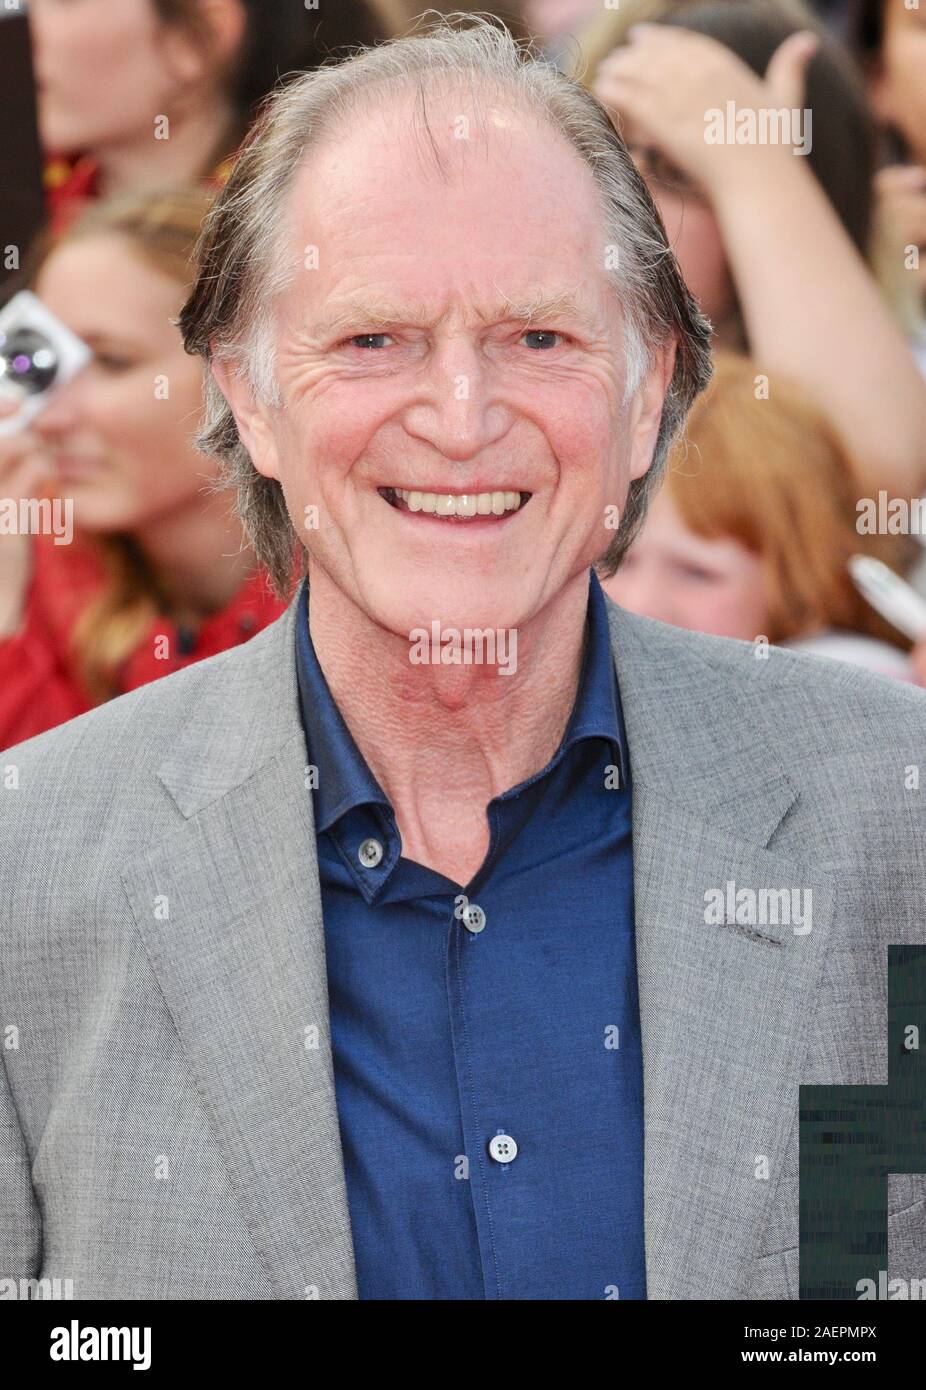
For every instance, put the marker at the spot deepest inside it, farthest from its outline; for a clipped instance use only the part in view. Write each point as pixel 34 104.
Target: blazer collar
pixel 250 712
pixel 709 749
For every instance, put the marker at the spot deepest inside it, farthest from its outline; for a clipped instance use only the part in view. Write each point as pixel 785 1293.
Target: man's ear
pixel 251 417
pixel 647 408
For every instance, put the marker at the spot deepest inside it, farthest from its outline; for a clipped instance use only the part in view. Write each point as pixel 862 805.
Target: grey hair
pixel 229 314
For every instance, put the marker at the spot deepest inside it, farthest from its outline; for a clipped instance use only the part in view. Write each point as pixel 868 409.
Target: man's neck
pixel 148 163
pixel 442 741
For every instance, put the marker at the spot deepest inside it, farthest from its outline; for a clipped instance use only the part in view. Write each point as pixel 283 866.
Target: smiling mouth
pixel 456 506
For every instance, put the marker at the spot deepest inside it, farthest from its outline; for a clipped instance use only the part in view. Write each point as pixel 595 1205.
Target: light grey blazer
pixel 168 1126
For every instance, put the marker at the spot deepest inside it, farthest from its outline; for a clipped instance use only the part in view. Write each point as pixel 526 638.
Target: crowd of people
pixel 808 256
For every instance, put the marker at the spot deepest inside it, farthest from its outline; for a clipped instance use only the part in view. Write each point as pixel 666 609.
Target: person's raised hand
pixel 662 84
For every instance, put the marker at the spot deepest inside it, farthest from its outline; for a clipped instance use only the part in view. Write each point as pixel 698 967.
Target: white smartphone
pixel 38 355
pixel 890 595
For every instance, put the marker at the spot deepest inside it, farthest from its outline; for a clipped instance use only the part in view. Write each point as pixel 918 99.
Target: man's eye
pixel 543 338
pixel 370 341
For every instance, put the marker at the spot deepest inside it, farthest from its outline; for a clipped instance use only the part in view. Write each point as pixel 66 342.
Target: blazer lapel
pixel 229 908
pixel 725 1008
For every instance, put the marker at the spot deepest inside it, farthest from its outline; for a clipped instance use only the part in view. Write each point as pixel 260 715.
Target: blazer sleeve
pixel 20 1215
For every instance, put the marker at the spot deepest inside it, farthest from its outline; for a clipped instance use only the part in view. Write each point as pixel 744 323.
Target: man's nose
pixel 456 408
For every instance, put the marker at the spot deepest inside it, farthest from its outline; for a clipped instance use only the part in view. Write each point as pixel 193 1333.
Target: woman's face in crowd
pixel 900 88
pixel 693 234
pixel 104 70
pixel 672 574
pixel 119 434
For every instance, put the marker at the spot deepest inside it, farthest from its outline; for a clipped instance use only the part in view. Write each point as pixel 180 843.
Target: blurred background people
pixel 889 39
pixel 158 575
pixel 771 242
pixel 555 23
pixel 753 528
pixel 754 525
pixel 109 74
pixel 833 12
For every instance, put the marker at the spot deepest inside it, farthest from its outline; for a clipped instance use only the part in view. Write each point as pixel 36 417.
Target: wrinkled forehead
pixel 447 177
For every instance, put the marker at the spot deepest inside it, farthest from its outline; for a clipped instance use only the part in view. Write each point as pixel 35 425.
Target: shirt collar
pixel 597 710
pixel 344 779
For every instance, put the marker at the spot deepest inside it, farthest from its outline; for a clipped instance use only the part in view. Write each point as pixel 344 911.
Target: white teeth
pixel 460 504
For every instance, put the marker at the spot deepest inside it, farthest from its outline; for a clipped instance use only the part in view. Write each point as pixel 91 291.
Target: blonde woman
pixel 157 575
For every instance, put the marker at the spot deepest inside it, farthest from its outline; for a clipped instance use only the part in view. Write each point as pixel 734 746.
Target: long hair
pixel 843 153
pixel 835 93
pixel 161 229
pixel 770 474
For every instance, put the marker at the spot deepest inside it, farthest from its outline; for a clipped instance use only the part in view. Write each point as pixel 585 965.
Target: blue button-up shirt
pixel 525 1032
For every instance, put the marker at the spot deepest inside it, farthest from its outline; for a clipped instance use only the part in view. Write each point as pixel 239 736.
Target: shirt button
pixel 474 919
pixel 503 1148
pixel 370 853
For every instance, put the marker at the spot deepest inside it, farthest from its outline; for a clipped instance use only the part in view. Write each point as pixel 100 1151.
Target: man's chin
pixel 443 607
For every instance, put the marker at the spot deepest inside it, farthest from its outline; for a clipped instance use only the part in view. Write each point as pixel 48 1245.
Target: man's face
pixel 412 386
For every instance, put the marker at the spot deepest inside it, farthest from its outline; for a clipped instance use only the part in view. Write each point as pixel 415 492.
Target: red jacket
pixel 73 182
pixel 40 685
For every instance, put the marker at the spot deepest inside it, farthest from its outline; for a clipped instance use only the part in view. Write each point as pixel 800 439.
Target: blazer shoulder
pixel 819 680
pixel 788 687
pixel 128 738
pixel 741 660
pixel 156 706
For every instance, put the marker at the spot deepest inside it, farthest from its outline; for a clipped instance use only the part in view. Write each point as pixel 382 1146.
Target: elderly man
pixel 460 936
